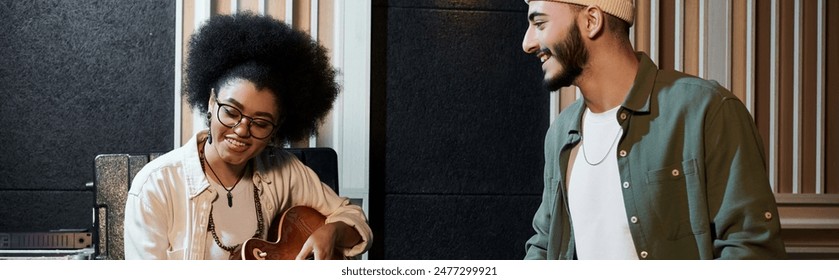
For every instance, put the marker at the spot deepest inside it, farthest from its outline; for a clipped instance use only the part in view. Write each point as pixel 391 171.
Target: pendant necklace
pixel 229 194
pixel 211 226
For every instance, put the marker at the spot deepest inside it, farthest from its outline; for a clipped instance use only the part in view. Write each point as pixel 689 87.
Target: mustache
pixel 545 50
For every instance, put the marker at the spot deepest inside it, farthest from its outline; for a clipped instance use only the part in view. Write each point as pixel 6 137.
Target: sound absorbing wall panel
pixel 77 79
pixel 458 120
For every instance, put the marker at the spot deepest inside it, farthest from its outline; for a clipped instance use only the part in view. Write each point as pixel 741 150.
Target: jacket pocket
pixel 668 200
pixel 697 198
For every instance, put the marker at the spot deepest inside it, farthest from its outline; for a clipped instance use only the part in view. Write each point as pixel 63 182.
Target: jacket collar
pixel 196 181
pixel 194 173
pixel 638 99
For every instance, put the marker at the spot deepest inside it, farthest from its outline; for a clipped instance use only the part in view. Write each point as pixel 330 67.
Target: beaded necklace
pixel 257 204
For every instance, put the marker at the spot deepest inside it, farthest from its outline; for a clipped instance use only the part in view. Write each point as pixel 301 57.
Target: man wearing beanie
pixel 649 164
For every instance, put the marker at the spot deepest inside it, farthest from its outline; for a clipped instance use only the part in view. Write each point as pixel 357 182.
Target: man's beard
pixel 572 55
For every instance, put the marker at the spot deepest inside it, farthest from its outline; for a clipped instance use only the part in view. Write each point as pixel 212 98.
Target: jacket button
pixel 623 116
pixel 633 219
pixel 644 254
pixel 623 153
pixel 767 215
pixel 625 185
pixel 675 172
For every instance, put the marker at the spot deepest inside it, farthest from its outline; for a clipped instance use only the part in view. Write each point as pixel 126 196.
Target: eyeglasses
pixel 231 117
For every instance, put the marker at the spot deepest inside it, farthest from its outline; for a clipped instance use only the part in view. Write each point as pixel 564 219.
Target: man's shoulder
pixel 572 111
pixel 565 121
pixel 690 89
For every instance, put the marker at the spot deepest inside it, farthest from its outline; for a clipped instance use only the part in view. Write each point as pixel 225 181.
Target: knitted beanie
pixel 623 9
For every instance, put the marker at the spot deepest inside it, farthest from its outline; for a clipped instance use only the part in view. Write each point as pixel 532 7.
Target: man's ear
pixel 593 21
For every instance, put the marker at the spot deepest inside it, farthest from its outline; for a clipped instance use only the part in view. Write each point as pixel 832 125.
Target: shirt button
pixel 633 219
pixel 675 172
pixel 623 116
pixel 625 185
pixel 623 153
pixel 767 215
pixel 644 254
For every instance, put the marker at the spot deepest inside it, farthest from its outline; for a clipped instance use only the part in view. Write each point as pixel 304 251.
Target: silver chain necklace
pixel 583 147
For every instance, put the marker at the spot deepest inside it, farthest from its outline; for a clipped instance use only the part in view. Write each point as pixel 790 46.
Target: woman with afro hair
pixel 260 83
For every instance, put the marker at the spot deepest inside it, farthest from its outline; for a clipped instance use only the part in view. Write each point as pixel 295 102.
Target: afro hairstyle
pixel 270 54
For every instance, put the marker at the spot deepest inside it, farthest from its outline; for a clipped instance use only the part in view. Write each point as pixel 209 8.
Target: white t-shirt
pixel 234 224
pixel 595 199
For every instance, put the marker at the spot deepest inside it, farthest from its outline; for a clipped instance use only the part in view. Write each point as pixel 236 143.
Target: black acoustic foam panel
pixel 77 79
pixel 458 121
pixel 466 112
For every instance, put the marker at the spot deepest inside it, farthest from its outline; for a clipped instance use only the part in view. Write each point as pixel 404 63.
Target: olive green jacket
pixel 692 170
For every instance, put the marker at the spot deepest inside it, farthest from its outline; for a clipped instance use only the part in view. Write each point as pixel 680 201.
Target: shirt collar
pixel 197 181
pixel 193 173
pixel 638 99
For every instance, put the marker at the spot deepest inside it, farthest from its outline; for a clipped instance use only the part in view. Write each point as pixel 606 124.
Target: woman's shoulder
pixel 168 163
pixel 171 159
pixel 273 158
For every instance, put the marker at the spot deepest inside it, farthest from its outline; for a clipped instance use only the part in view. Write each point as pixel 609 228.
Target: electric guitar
pixel 290 231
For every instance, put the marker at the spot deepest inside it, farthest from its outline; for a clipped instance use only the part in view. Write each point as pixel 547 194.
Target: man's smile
pixel 544 55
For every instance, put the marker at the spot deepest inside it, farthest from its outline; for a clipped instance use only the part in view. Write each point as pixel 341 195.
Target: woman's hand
pixel 324 240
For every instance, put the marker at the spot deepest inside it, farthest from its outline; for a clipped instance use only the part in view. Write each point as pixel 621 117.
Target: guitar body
pixel 289 232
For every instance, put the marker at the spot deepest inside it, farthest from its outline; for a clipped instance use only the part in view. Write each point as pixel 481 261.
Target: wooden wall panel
pixel 249 5
pixel 642 26
pixel 691 43
pixel 222 7
pixel 808 96
pixel 302 16
pixel 738 49
pixel 785 94
pixel 832 98
pixel 326 32
pixel 763 33
pixel 275 8
pixel 188 28
pixel 666 44
pixel 567 95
